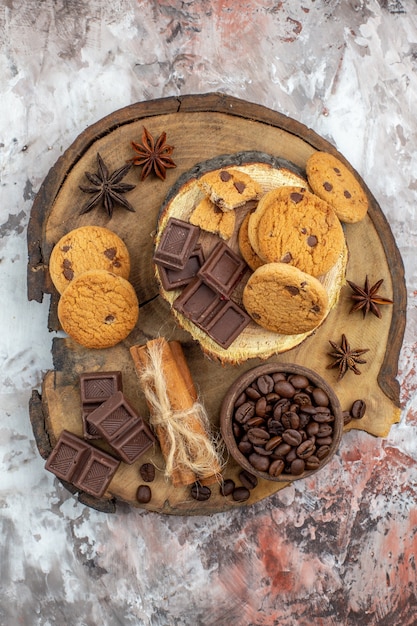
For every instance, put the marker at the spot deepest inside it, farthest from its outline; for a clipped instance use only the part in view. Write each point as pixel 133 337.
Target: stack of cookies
pixel 289 232
pixel 90 266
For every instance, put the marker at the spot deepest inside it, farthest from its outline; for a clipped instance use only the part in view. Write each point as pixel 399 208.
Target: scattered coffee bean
pixel 358 409
pixel 247 479
pixel 240 494
pixel 346 417
pixel 227 487
pixel 144 494
pixel 200 492
pixel 147 472
pixel 283 424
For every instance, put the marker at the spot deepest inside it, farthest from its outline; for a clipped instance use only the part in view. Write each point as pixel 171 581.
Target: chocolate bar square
pixel 96 387
pixel 122 427
pixel 176 244
pixel 89 430
pixel 198 302
pixel 81 464
pixel 227 324
pixel 174 279
pixel 223 269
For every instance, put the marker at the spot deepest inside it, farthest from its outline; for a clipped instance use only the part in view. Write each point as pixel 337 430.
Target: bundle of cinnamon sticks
pixel 178 419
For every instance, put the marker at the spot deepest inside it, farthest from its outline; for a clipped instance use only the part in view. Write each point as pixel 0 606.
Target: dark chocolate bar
pixel 176 244
pixel 223 269
pixel 78 462
pixel 122 427
pixel 174 279
pixel 95 388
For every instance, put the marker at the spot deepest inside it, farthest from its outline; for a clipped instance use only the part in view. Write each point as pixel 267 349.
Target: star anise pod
pixel 107 188
pixel 153 155
pixel 346 358
pixel 367 298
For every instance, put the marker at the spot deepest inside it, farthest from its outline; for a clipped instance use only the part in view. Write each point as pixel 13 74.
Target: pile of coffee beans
pixel 283 424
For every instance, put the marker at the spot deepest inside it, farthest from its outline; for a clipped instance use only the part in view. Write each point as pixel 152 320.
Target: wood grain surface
pixel 201 128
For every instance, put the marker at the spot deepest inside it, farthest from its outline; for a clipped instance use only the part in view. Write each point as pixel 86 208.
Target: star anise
pixel 107 189
pixel 367 298
pixel 153 155
pixel 345 358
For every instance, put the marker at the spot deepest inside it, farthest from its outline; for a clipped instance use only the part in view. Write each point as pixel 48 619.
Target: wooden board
pixel 201 127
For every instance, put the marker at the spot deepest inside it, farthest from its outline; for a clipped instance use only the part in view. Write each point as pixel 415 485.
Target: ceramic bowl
pixel 271 405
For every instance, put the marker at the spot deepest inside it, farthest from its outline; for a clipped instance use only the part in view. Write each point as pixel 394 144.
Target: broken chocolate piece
pixel 174 279
pixel 122 427
pixel 198 302
pixel 223 269
pixel 227 324
pixel 176 244
pixel 78 462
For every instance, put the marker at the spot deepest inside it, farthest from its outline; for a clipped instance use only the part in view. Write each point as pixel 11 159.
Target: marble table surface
pixel 310 554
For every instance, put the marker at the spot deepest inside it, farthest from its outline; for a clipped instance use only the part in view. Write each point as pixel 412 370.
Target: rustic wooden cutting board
pixel 201 128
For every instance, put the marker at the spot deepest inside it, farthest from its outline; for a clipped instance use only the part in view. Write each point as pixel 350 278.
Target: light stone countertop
pixel 346 69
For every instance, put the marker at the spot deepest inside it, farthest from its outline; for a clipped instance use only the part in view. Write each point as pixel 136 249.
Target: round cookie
pixel 98 309
pixel 331 180
pixel 87 248
pixel 245 247
pixel 292 225
pixel 284 299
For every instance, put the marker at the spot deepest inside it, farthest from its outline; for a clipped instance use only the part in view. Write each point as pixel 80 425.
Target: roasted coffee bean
pixel 200 492
pixel 262 451
pixel 312 463
pixel 240 494
pixel 272 397
pixel 258 436
pixel 301 398
pixel 252 393
pixel 259 462
pixel 244 412
pixel 255 421
pixel 297 467
pixel 320 397
pixel 322 452
pixel 291 456
pixel 347 417
pixel 147 472
pixel 248 480
pixel 322 417
pixel 265 384
pixel 323 441
pixel 304 419
pixel 273 442
pixel 324 430
pixel 299 381
pixel 309 409
pixel 237 431
pixel 292 437
pixel 227 487
pixel 276 376
pixel 312 428
pixel 358 409
pixel 245 447
pixel 276 468
pixel 284 388
pixel 144 494
pixel 260 407
pixel 240 400
pixel 290 420
pixel 306 449
pixel 275 427
pixel 282 450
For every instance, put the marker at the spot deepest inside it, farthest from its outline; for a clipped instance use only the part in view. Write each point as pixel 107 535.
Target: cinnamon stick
pixel 182 396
